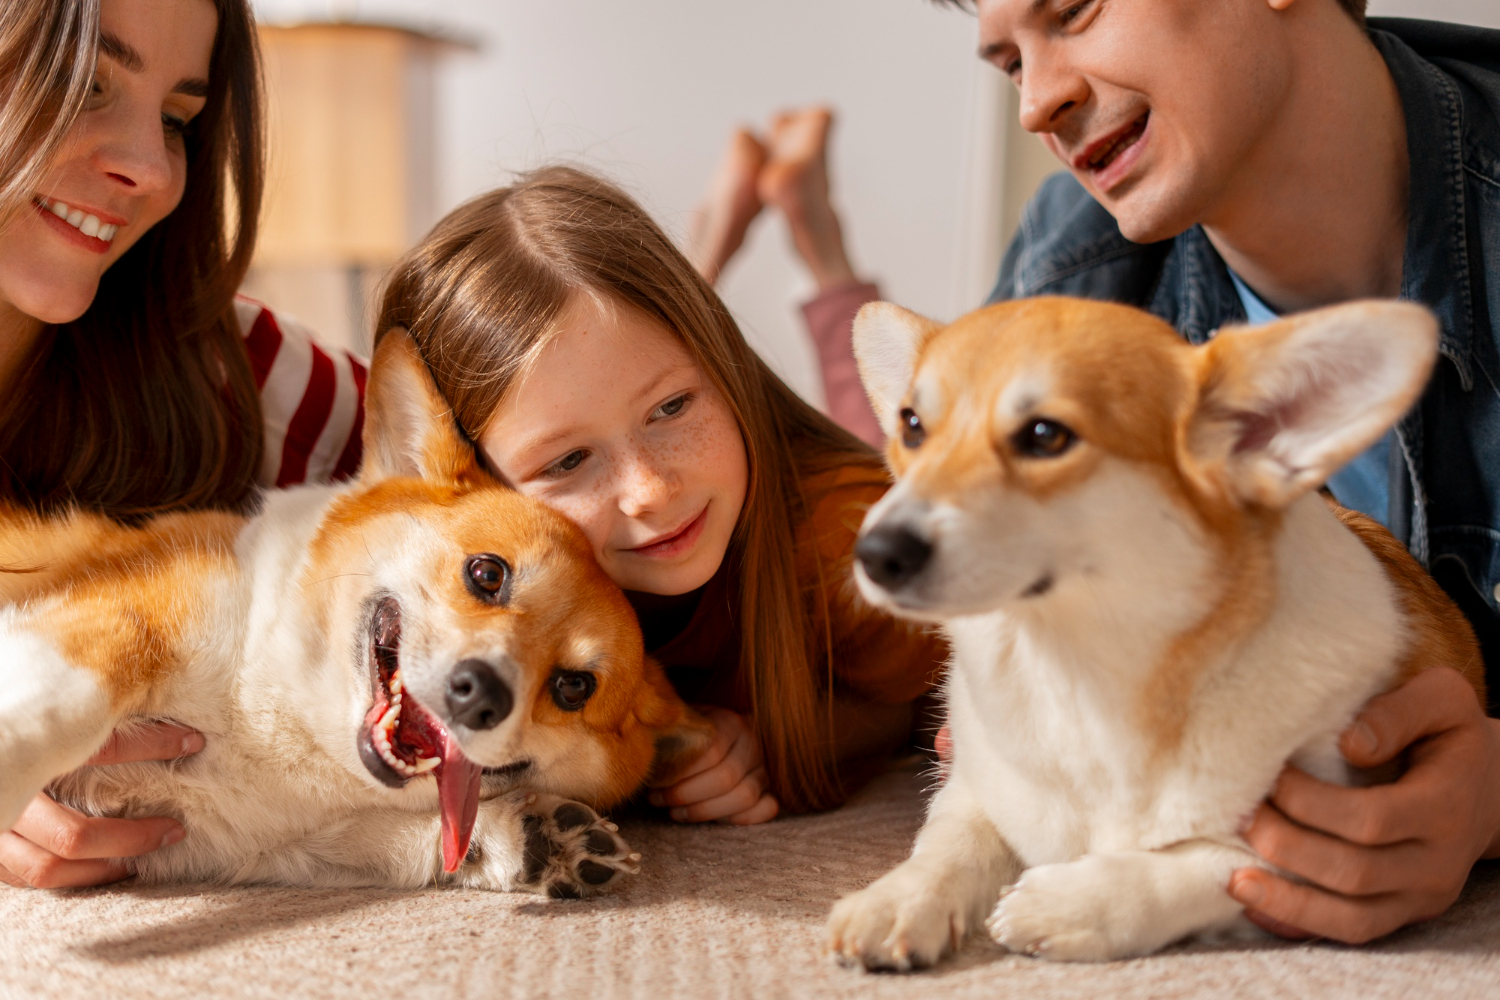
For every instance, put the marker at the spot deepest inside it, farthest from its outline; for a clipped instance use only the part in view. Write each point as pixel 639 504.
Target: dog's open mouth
pixel 402 740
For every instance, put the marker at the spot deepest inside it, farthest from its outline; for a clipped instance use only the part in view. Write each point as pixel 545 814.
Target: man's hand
pixel 1379 858
pixel 54 847
pixel 727 783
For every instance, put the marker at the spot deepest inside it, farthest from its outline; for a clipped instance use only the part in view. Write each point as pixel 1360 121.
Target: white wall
pixel 648 90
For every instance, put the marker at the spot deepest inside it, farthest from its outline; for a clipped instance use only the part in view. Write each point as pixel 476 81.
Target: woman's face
pixel 123 166
pixel 617 428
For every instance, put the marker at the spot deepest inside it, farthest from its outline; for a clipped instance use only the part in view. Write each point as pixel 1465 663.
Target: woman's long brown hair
pixel 147 402
pixel 480 295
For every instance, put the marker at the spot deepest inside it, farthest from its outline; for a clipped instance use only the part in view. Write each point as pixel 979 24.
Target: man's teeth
pixel 88 225
pixel 384 730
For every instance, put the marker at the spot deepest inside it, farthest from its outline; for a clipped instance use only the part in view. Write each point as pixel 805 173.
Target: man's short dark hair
pixel 1354 8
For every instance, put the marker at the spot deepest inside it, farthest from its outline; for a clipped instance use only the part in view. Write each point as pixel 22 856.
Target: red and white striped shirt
pixel 312 399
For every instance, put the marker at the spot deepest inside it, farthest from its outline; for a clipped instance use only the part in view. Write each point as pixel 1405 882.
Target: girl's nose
pixel 647 486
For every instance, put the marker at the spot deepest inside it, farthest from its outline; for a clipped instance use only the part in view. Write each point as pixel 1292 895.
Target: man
pixel 1229 160
pixel 1233 159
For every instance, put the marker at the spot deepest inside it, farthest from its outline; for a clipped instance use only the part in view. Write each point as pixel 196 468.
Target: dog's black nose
pixel 477 697
pixel 892 554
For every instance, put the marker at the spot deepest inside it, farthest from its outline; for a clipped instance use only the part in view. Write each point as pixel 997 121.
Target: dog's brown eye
pixel 1044 439
pixel 912 431
pixel 571 688
pixel 488 577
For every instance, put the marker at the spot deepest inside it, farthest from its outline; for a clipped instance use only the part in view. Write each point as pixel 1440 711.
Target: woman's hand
pixel 727 783
pixel 1379 858
pixel 54 847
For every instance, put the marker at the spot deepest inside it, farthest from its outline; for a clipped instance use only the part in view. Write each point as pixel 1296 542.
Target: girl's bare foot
pixel 796 181
pixel 730 205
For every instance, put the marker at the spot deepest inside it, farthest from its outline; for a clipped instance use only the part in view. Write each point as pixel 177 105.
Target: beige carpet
pixel 716 912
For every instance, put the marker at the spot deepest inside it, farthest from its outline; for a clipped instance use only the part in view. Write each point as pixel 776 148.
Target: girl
pixel 597 371
pixel 133 382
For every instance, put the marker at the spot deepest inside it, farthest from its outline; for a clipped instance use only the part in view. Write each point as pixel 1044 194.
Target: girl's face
pixel 123 166
pixel 617 428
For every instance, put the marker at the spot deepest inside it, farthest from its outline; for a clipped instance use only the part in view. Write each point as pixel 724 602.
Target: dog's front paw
pixel 570 851
pixel 901 922
pixel 1062 912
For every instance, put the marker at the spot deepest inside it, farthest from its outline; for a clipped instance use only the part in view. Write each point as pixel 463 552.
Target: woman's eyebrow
pixel 123 53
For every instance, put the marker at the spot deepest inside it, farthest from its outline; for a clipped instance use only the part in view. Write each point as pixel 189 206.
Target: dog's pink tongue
pixel 458 799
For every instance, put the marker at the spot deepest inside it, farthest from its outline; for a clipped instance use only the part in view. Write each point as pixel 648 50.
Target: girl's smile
pixel 616 426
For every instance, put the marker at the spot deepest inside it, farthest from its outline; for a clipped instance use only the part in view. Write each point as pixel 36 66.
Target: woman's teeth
pixel 383 731
pixel 88 225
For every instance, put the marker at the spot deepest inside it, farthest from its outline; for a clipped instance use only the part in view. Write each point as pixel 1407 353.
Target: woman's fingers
pixel 72 836
pixel 1382 814
pixel 1434 701
pixel 743 796
pixel 151 741
pixel 27 866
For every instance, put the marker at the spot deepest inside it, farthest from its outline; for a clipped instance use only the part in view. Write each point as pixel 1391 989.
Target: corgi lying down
pixel 382 670
pixel 1150 608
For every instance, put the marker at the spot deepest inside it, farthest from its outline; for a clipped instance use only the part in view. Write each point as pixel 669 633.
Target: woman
pixel 131 381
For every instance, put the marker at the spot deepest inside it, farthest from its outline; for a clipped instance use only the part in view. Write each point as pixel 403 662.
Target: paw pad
pixel 570 851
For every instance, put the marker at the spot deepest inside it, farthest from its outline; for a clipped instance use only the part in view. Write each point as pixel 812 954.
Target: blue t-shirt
pixel 1364 484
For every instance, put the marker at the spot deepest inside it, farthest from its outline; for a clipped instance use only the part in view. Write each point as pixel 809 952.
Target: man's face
pixel 1156 106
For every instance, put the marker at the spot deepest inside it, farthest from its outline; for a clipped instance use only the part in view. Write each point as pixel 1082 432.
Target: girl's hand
pixel 54 847
pixel 727 783
pixel 1382 857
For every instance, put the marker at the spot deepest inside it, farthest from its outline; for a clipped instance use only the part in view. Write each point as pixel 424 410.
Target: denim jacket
pixel 1445 477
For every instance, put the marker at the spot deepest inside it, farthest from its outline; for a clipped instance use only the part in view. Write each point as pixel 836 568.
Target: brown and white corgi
pixel 381 669
pixel 1151 608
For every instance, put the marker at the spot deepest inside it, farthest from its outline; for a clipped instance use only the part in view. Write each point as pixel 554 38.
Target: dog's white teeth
pixel 425 764
pixel 396 686
pixel 388 720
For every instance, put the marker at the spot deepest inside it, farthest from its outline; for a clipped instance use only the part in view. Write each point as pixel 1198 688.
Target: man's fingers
pixel 1332 863
pixel 71 836
pixel 150 741
pixel 1435 700
pixel 26 865
pixel 1379 815
pixel 1313 911
pixel 743 796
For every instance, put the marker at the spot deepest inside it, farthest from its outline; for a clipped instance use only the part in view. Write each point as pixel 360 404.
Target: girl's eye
pixel 177 127
pixel 566 464
pixel 674 406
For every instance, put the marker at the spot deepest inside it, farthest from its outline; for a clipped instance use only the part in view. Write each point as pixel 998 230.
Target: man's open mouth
pixel 1107 152
pixel 401 740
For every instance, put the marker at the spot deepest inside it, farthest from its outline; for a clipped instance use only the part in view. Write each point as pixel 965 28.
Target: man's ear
pixel 887 341
pixel 409 427
pixel 1281 407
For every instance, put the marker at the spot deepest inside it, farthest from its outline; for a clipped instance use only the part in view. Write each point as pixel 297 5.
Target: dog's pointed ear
pixel 1282 407
pixel 887 342
pixel 409 427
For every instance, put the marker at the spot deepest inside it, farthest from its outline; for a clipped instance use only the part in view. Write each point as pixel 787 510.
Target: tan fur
pixel 222 618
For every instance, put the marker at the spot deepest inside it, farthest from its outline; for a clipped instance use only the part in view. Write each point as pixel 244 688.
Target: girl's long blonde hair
pixel 480 294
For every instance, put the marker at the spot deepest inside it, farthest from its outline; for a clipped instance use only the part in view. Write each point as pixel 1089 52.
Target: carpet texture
pixel 716 912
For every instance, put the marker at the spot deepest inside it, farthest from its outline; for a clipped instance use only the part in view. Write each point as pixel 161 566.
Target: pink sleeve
pixel 830 321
